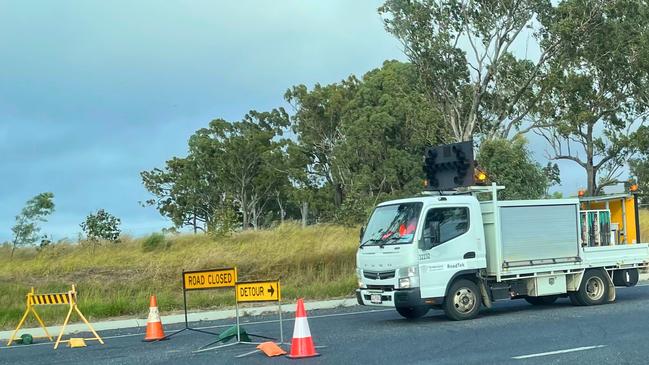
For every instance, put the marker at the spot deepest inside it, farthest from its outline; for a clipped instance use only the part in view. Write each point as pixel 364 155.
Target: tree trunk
pixel 255 219
pixel 244 216
pixel 338 195
pixel 195 227
pixel 591 177
pixel 305 212
pixel 591 173
pixel 282 213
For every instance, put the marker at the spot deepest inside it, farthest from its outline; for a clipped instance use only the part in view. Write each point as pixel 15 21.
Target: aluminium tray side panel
pixel 619 255
pixel 538 232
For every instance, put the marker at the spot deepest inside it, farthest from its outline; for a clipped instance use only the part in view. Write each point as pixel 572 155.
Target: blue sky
pixel 92 93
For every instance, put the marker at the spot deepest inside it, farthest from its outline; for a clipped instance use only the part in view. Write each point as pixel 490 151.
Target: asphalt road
pixel 512 332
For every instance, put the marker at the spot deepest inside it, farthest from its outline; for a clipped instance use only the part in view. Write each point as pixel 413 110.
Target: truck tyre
pixel 544 300
pixel 463 300
pixel 593 289
pixel 413 312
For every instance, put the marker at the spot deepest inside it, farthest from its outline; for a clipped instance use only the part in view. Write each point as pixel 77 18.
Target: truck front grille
pixel 378 275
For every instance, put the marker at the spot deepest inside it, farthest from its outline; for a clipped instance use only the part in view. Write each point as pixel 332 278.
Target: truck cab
pixel 412 248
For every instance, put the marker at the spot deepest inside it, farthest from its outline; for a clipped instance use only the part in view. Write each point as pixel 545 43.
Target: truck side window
pixel 444 224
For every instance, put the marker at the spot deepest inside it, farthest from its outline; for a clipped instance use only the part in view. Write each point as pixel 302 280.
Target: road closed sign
pixel 209 279
pixel 258 291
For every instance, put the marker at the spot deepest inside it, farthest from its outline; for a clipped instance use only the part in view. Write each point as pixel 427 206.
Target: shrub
pixel 154 242
pixel 101 226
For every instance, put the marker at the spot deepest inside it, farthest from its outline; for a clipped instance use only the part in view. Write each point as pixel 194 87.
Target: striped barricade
pixel 69 298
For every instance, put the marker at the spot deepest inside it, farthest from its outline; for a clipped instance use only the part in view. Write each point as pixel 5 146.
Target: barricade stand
pixel 246 292
pixel 69 298
pixel 203 280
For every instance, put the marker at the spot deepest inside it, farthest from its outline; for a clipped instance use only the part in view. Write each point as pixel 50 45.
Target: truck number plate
pixel 376 299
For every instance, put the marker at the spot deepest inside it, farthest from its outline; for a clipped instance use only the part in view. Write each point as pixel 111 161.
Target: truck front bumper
pixel 395 298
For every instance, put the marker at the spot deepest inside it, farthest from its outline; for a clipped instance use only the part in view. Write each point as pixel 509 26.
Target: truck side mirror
pixel 360 238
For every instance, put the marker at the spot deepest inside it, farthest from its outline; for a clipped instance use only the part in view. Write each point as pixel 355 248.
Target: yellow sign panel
pixel 258 291
pixel 209 279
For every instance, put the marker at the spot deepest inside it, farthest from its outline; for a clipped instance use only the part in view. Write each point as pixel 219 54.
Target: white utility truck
pixel 462 248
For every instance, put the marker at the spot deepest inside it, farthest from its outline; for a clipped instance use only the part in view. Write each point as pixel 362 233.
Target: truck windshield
pixel 392 224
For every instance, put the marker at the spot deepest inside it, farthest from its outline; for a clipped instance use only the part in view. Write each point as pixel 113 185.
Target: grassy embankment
pixel 116 279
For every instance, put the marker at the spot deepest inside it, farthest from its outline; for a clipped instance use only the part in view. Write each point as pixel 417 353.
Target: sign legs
pixel 22 321
pixel 65 323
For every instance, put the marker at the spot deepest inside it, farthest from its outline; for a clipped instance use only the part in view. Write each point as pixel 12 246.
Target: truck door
pixel 449 244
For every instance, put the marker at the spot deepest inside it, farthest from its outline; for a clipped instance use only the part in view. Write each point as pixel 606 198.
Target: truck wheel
pixel 593 289
pixel 463 300
pixel 544 300
pixel 413 312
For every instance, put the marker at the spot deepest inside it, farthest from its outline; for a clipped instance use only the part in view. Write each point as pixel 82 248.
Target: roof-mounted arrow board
pixel 258 291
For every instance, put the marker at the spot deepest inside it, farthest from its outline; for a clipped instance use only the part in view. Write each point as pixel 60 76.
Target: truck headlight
pixel 359 278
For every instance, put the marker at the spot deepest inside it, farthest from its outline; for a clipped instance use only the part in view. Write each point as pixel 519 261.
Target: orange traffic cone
pixel 154 329
pixel 302 344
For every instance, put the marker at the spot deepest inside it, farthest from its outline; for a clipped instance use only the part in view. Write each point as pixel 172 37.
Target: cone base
pixel 302 356
pixel 155 339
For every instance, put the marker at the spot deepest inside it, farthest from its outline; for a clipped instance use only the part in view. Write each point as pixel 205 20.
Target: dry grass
pixel 117 279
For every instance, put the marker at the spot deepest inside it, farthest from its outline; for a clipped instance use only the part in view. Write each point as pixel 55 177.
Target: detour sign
pixel 208 279
pixel 258 291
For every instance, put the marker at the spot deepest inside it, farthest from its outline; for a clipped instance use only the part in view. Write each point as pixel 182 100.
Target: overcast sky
pixel 93 92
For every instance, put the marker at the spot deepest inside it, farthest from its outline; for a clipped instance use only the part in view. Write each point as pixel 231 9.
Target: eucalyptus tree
pixel 464 51
pixel 36 210
pixel 597 88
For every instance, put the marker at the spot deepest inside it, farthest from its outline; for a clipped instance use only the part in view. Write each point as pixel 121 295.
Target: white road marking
pixel 215 326
pixel 558 352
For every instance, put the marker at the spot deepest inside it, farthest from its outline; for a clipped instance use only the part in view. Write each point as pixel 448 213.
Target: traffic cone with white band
pixel 302 344
pixel 154 329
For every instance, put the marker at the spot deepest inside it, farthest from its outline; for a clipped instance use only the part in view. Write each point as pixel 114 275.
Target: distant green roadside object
pixel 231 333
pixel 26 339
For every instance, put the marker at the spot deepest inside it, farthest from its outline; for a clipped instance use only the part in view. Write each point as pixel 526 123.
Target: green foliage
pixel 510 163
pixel 26 230
pixel 232 172
pixel 387 127
pixel 317 123
pixel 153 242
pixel 597 88
pixel 246 160
pixel 354 143
pixel 482 87
pixel 101 226
pixel 361 141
